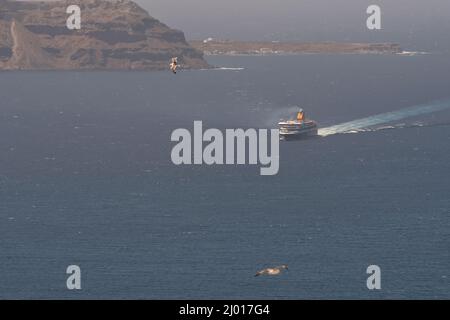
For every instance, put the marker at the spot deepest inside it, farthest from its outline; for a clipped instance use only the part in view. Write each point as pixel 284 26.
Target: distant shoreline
pixel 239 48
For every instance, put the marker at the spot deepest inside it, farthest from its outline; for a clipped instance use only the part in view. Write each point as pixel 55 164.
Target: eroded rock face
pixel 115 34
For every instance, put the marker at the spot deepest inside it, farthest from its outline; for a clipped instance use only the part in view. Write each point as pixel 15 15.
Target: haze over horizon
pixel 415 24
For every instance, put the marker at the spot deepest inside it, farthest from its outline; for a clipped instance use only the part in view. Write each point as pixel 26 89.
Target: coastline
pixel 258 48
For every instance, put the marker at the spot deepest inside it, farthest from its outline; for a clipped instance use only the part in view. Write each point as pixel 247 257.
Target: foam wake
pixel 365 123
pixel 229 69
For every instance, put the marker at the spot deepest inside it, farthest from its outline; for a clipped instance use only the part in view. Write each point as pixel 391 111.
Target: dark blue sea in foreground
pixel 86 179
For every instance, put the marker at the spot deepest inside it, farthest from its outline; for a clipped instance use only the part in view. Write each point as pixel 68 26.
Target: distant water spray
pixel 360 124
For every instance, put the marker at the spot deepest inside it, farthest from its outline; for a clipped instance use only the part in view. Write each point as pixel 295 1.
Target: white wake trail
pixel 230 68
pixel 382 118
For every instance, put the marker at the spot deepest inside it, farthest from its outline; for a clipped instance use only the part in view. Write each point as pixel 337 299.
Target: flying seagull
pixel 174 65
pixel 272 271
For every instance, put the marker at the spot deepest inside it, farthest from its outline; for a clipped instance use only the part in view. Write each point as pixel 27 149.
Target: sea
pixel 86 179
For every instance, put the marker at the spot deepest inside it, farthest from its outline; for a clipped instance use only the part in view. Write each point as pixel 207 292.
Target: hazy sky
pixel 415 23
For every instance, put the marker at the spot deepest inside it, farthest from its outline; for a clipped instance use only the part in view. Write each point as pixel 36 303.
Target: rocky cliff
pixel 114 34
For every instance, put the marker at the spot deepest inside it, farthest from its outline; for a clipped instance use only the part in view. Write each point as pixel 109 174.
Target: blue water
pixel 86 179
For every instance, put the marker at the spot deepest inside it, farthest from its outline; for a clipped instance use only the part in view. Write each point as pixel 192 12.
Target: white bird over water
pixel 174 64
pixel 272 271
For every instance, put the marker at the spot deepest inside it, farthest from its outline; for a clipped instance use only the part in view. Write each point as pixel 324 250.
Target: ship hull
pixel 298 135
pixel 296 130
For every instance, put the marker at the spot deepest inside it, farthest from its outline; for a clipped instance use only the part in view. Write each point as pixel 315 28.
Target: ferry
pixel 297 128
